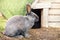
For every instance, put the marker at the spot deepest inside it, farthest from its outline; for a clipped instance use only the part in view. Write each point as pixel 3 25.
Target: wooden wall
pixel 54 12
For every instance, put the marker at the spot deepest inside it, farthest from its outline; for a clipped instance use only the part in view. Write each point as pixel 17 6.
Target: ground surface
pixel 38 34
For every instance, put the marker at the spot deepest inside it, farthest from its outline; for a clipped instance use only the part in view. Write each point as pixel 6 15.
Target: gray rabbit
pixel 20 25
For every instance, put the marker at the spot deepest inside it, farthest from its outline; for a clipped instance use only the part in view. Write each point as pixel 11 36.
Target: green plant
pixel 13 7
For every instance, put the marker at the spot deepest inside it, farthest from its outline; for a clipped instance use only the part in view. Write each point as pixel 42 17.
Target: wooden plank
pixel 54 11
pixel 43 1
pixel 55 5
pixel 55 0
pixel 44 20
pixel 54 25
pixel 41 5
pixel 49 0
pixel 54 18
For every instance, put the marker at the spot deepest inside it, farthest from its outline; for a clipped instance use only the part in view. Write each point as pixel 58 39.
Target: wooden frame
pixel 45 7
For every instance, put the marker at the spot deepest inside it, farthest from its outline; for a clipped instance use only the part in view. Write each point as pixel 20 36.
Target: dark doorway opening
pixel 38 12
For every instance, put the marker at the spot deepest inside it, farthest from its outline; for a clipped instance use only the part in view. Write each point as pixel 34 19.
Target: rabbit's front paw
pixel 27 35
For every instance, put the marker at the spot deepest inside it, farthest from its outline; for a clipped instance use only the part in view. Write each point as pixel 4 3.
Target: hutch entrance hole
pixel 38 12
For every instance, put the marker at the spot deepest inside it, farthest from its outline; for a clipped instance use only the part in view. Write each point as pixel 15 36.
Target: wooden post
pixel 44 20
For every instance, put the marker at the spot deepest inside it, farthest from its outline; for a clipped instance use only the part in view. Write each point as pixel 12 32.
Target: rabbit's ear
pixel 36 16
pixel 28 8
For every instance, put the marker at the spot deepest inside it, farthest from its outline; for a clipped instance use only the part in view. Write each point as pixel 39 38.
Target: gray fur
pixel 20 25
